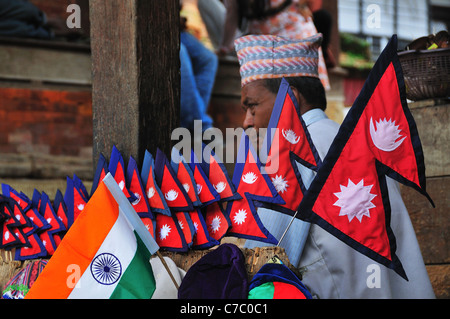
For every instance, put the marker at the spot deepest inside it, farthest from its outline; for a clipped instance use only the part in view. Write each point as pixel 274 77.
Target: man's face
pixel 257 101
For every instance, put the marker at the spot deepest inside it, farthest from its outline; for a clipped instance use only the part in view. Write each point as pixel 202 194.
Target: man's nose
pixel 249 120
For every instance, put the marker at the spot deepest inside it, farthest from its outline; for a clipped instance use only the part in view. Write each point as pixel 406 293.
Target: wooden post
pixel 135 75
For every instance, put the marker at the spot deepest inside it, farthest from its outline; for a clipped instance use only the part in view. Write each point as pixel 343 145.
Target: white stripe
pixel 131 214
pixel 120 242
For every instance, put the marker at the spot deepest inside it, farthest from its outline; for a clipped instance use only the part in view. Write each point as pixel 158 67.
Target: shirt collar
pixel 314 115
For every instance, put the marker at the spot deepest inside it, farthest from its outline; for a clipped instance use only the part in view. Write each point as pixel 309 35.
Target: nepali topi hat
pixel 270 56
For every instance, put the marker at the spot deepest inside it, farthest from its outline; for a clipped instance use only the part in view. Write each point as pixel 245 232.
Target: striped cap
pixel 270 56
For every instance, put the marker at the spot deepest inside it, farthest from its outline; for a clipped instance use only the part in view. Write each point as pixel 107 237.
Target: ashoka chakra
pixel 106 269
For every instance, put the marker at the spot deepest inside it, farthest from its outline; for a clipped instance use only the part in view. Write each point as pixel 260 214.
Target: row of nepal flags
pixel 193 204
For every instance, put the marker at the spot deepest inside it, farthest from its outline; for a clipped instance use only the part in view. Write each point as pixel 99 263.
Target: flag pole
pixel 167 268
pixel 136 221
pixel 287 228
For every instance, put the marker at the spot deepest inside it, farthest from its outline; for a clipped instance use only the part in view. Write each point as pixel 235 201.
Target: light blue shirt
pixel 276 223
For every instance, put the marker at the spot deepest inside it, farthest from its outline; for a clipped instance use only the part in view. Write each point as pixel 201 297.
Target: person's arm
pixel 230 27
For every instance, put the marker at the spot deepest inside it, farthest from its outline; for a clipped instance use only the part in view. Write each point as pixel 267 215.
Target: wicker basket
pixel 426 73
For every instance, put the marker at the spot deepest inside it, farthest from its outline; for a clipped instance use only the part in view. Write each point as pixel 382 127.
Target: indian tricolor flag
pixel 105 254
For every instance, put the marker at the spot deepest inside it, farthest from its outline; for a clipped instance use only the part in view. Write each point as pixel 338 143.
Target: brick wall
pixel 45 121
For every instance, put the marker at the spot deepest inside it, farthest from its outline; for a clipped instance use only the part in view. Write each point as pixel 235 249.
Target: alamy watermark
pixel 73 21
pixel 226 147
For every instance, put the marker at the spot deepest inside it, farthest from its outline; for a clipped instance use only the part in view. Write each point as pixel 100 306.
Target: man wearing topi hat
pixel 330 268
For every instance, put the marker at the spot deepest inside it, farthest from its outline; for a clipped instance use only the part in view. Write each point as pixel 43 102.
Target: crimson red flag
pixel 117 169
pixel 174 193
pixel 254 187
pixel 169 235
pixel 378 138
pixel 287 142
pixel 134 184
pixel 153 192
pixel 75 200
pixel 51 236
pixel 100 172
pixel 217 174
pixel 194 219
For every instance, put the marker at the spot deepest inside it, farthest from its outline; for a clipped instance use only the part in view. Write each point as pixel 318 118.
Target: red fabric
pixel 357 164
pixel 286 291
pixel 289 124
pixel 153 196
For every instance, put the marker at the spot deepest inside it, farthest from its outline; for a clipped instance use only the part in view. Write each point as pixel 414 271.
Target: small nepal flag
pixel 141 204
pixel 185 176
pixel 100 172
pixel 104 255
pixel 217 174
pixel 168 234
pixel 153 192
pixel 134 184
pixel 75 200
pixel 12 221
pixel 378 138
pixel 254 187
pixel 197 226
pixel 216 218
pixel 287 143
pixel 22 199
pixel 50 237
pixel 117 169
pixel 205 189
pixel 60 208
pixel 174 193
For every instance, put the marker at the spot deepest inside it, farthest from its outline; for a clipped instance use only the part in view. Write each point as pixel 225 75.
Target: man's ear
pixel 302 104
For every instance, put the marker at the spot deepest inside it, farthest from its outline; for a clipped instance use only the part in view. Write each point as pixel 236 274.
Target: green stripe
pixel 264 291
pixel 137 281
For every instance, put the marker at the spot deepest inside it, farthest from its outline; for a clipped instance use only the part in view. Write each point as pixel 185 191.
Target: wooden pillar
pixel 135 75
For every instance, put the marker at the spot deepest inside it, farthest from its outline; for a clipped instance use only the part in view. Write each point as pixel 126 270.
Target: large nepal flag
pixel 254 187
pixel 105 254
pixel 288 144
pixel 378 138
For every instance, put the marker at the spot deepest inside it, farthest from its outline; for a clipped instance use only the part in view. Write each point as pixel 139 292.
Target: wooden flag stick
pixel 167 268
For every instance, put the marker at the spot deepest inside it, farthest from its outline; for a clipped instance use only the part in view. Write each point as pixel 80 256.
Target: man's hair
pixel 310 88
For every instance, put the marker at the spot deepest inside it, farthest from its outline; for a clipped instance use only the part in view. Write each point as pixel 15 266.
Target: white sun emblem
pixel 180 223
pixel 196 227
pixel 220 186
pixel 138 199
pixel 122 184
pixel 355 200
pixel 186 187
pixel 249 178
pixel 171 195
pixel 386 135
pixel 215 224
pixel 150 192
pixel 164 232
pixel 240 216
pixel 280 183
pixel 290 136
